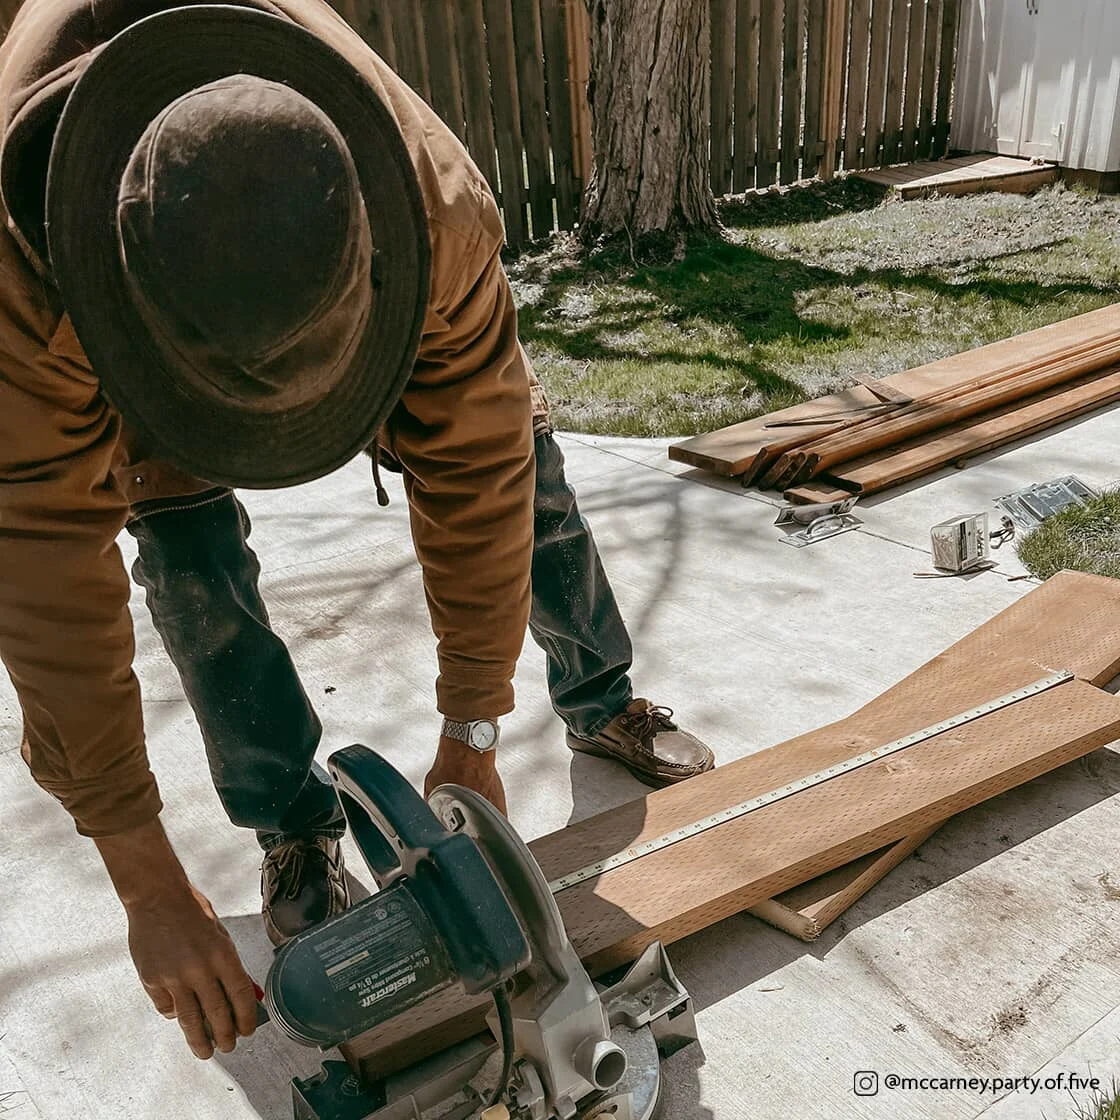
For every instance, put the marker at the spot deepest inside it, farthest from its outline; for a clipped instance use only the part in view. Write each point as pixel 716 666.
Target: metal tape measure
pixel 685 832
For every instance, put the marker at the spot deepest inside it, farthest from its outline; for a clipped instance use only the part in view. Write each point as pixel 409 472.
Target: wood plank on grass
pixel 859 52
pixel 769 91
pixel 745 151
pixel 507 117
pixel 877 81
pixel 1071 622
pixel 723 93
pixel 814 89
pixel 793 70
pixel 534 121
pixel 896 81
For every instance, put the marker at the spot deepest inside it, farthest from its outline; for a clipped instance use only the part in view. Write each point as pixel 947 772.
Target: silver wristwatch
pixel 480 734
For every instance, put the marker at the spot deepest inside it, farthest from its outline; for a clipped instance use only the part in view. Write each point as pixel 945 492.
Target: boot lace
pixel 647 724
pixel 289 861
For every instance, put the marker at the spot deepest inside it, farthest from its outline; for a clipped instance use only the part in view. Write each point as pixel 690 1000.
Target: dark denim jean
pixel 259 727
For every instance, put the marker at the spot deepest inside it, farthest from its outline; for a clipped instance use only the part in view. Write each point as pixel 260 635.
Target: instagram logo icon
pixel 865 1083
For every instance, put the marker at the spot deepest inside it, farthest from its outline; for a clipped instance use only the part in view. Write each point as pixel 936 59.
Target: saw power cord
pixel 505 1024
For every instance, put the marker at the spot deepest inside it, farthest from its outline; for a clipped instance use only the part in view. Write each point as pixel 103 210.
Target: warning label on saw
pixel 387 960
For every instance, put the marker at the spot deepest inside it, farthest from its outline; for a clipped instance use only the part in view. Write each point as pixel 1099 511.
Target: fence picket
pixel 745 147
pixel 877 81
pixel 793 71
pixel 769 90
pixel 896 73
pixel 859 38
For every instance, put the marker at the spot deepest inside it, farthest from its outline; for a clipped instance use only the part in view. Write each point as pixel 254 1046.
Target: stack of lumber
pixel 1070 623
pixel 882 433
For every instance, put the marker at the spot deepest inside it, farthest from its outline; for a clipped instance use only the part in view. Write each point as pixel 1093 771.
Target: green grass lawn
pixel 1104 1106
pixel 1082 538
pixel 806 287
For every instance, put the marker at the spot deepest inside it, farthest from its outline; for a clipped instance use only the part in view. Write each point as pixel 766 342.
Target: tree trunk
pixel 650 62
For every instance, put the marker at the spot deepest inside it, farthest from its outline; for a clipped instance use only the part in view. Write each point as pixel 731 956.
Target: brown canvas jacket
pixel 461 433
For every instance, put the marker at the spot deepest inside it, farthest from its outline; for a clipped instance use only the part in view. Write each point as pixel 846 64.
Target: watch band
pixel 461 732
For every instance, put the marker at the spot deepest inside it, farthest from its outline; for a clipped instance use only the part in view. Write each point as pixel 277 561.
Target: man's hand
pixel 185 958
pixel 456 762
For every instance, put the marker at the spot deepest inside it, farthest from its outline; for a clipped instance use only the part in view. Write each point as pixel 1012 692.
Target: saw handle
pixel 401 839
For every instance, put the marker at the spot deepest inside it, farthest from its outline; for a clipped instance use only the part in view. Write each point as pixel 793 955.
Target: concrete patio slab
pixel 991 952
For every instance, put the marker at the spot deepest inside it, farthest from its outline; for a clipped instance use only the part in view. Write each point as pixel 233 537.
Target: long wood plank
pixel 814 91
pixel 534 119
pixel 929 78
pixel 793 70
pixel 807 911
pixel 476 90
pixel 896 65
pixel 507 117
pixel 723 93
pixel 951 407
pixel 751 444
pixel 950 22
pixel 915 458
pixel 877 81
pixel 858 55
pixel 914 44
pixel 769 91
pixel 558 71
pixel 1071 622
pixel 443 64
pixel 745 154
pixel 832 82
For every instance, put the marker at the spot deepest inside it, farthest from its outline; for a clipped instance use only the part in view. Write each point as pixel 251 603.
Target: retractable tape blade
pixel 686 832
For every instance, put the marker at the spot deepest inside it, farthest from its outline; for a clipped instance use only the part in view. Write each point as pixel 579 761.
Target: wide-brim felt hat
pixel 311 401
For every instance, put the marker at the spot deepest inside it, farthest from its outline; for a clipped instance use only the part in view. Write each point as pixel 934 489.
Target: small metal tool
pixel 821 520
pixel 1029 507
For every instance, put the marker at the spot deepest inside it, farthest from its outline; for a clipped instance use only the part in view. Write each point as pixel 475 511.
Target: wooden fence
pixel 799 88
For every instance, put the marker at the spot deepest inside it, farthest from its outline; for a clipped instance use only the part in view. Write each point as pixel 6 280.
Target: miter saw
pixel 462 901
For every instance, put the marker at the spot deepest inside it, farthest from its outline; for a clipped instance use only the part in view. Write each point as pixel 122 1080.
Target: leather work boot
pixel 303 883
pixel 649 744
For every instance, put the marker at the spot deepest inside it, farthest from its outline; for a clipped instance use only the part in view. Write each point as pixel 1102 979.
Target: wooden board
pixel 914 55
pixel 942 410
pixel 476 90
pixel 814 91
pixel 723 93
pixel 745 153
pixel 793 70
pixel 813 493
pixel 950 22
pixel 877 81
pixel 832 84
pixel 558 70
pixel 807 911
pixel 929 78
pixel 534 119
pixel 408 36
pixel 859 53
pixel 1071 622
pixel 443 64
pixel 579 50
pixel 896 82
pixel 507 117
pixel 962 175
pixel 769 90
pixel 749 445
pixel 920 456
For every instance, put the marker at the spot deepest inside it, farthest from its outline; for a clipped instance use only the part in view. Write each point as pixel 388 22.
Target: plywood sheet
pixel 1071 622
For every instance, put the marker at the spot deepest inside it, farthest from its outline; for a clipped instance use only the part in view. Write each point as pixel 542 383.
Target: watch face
pixel 483 735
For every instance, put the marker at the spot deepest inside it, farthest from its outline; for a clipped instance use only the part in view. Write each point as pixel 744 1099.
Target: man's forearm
pixel 143 866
